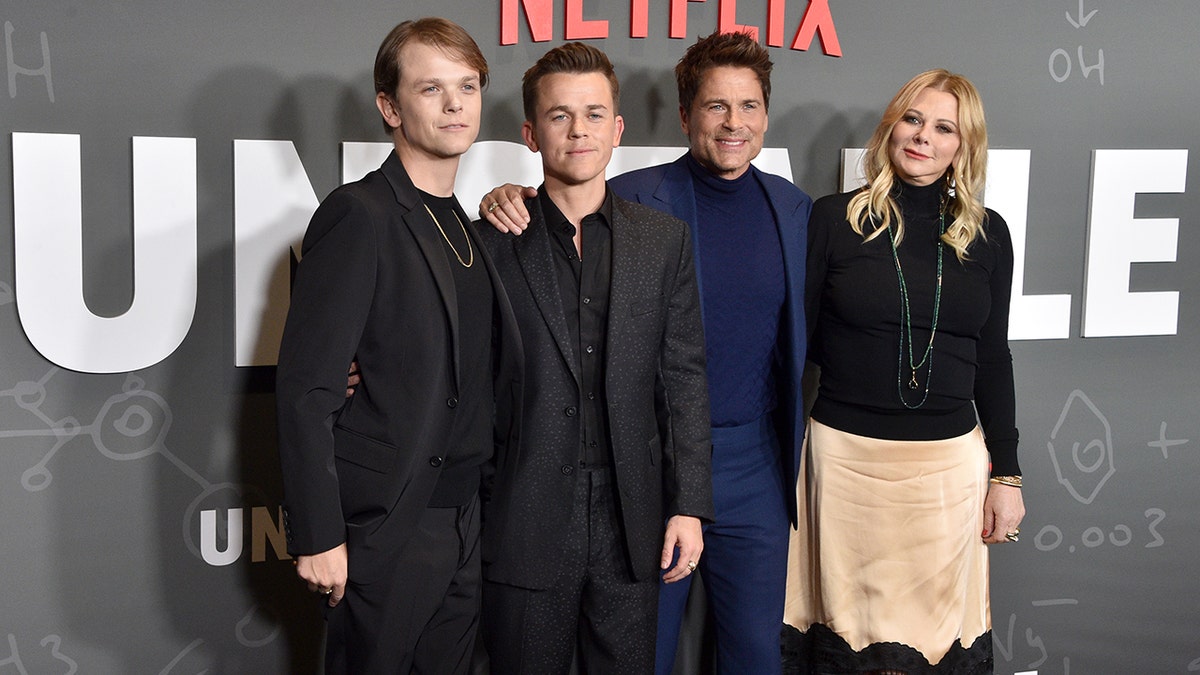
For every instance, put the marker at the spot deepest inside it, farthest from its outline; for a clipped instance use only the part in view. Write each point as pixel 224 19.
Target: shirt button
pixel 567 469
pixel 570 411
pixel 435 462
pixel 586 299
pixel 591 396
pixel 589 349
pixel 452 402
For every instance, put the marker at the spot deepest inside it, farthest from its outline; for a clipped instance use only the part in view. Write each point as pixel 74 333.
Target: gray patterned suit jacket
pixel 657 397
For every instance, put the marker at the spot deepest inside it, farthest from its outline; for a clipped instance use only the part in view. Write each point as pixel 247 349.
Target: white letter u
pixel 233 538
pixel 48 242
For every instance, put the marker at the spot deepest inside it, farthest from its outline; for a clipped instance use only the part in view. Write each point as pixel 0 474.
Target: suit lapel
pixel 791 240
pixel 626 249
pixel 537 264
pixel 420 224
pixel 676 195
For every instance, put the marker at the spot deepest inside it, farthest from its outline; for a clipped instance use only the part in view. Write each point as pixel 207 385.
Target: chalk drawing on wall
pixel 14 70
pixel 1163 443
pixel 1062 66
pixel 51 643
pixel 1088 464
pixel 1081 450
pixel 130 425
pixel 1006 645
pixel 133 425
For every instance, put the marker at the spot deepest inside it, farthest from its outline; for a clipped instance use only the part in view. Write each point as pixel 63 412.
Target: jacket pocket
pixel 362 450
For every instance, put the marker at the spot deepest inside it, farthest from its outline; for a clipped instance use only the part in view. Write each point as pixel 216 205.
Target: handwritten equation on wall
pixel 1085 461
pixel 14 69
pixel 1061 64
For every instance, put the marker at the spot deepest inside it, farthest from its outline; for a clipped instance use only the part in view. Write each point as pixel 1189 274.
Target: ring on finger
pixel 493 206
pixel 691 565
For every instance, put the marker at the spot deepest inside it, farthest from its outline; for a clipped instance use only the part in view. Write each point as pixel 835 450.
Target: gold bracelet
pixel 1011 481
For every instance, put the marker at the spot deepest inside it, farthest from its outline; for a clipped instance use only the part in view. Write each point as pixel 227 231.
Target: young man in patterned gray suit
pixel 609 480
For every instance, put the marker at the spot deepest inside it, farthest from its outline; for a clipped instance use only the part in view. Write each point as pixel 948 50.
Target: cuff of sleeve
pixel 1004 459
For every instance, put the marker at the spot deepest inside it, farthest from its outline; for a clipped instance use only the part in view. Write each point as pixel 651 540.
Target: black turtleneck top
pixel 856 316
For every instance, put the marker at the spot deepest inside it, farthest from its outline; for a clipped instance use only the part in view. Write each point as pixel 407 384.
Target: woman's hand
pixel 1003 510
pixel 504 207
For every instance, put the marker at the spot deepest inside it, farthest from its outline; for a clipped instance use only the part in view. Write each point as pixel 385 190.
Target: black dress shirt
pixel 584 286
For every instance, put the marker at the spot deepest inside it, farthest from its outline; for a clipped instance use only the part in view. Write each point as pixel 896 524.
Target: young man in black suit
pixel 381 489
pixel 610 478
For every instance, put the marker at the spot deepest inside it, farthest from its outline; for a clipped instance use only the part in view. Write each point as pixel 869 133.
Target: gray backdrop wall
pixel 139 493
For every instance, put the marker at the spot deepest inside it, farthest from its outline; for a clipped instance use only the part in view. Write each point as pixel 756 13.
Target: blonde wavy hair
pixel 876 206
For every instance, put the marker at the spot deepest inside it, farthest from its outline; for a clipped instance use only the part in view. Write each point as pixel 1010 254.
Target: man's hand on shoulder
pixel 504 207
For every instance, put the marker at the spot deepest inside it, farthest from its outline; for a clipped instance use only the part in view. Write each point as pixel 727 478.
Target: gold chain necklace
pixel 470 251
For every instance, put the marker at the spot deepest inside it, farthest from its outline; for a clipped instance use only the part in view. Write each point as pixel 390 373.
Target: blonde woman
pixel 911 464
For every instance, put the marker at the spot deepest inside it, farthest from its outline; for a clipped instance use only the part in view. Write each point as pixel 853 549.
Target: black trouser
pixel 595 604
pixel 423 616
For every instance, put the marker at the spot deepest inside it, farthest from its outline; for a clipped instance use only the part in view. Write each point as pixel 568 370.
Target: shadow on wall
pixel 815 135
pixel 652 93
pixel 251 614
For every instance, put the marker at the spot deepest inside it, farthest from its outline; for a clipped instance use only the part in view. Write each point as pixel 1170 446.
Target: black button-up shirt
pixel 584 286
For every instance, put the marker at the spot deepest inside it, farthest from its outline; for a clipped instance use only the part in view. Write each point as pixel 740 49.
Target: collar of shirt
pixel 563 231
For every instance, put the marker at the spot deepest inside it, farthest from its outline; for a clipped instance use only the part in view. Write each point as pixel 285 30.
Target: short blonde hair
pixel 434 31
pixel 965 177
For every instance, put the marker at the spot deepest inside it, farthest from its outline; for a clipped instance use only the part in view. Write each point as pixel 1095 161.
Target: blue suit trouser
pixel 744 564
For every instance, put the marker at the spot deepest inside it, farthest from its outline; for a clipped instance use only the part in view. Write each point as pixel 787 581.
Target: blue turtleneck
pixel 742 292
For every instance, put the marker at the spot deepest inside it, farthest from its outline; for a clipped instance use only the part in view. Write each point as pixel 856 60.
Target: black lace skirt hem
pixel 820 651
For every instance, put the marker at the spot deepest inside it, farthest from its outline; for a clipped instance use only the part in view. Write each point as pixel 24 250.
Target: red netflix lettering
pixel 817 22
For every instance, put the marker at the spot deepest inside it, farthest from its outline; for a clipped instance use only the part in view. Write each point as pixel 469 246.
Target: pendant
pixel 912 384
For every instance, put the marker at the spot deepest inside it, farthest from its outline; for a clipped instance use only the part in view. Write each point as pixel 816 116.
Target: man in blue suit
pixel 749 231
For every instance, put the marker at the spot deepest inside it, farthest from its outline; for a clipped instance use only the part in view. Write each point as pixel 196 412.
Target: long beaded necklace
pixel 906 321
pixel 470 251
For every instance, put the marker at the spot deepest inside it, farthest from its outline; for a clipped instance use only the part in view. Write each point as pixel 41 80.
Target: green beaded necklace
pixel 906 321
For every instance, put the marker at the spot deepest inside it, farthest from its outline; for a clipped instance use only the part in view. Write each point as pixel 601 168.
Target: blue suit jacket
pixel 668 187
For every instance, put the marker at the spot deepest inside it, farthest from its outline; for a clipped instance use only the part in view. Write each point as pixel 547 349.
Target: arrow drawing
pixel 1083 20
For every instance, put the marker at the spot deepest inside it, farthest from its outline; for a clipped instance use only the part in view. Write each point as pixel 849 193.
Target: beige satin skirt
pixel 889 547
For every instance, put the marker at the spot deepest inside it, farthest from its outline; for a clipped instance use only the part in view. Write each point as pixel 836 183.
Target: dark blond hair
pixel 874 209
pixel 435 32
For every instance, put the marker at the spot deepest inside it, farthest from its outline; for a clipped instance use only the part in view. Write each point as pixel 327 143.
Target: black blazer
pixel 657 397
pixel 374 284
